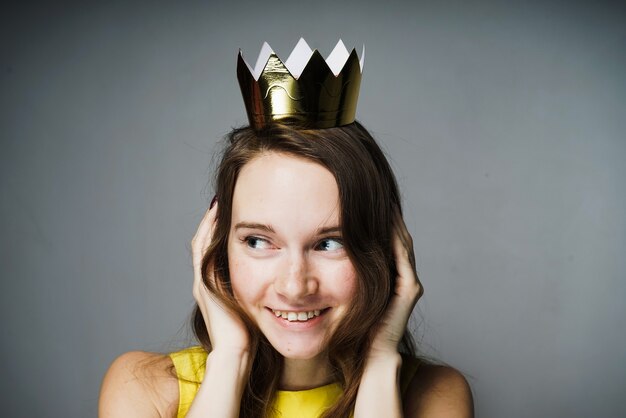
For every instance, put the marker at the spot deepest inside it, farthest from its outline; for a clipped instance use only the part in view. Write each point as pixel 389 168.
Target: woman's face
pixel 288 267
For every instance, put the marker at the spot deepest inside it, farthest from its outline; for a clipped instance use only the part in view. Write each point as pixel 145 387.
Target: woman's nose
pixel 296 280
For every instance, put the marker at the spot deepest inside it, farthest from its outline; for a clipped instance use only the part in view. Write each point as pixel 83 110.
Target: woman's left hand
pixel 406 293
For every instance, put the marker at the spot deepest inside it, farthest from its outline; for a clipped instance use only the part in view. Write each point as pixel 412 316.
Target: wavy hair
pixel 368 195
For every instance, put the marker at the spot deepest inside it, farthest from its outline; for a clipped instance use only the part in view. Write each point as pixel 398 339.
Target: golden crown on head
pixel 305 90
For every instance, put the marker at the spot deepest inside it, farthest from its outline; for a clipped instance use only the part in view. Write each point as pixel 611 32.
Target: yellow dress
pixel 190 364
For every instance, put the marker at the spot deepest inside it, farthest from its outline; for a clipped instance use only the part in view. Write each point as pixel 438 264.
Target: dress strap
pixel 189 364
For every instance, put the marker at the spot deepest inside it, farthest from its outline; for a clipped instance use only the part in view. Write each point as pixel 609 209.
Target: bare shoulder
pixel 139 384
pixel 438 391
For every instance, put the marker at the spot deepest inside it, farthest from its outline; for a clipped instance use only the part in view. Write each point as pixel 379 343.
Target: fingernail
pixel 213 202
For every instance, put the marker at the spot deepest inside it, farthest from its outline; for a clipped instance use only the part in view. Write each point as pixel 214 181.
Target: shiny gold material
pixel 317 99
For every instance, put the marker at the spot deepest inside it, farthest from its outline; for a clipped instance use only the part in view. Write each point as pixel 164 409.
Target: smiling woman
pixel 304 281
pixel 288 268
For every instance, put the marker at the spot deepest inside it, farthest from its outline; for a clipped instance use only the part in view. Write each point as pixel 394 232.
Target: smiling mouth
pixel 300 316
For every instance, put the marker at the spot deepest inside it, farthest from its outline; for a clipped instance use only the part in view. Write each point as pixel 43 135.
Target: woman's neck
pixel 305 374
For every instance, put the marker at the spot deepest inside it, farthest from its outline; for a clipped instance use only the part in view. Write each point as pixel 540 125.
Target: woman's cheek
pixel 244 277
pixel 341 277
pixel 237 270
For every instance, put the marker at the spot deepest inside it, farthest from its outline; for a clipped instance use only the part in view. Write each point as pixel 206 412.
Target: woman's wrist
pixel 379 392
pixel 387 360
pixel 236 360
pixel 229 353
pixel 225 377
pixel 383 356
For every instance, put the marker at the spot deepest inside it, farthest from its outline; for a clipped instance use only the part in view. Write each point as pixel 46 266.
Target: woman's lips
pixel 297 315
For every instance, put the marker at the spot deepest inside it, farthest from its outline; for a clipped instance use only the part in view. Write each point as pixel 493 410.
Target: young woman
pixel 304 280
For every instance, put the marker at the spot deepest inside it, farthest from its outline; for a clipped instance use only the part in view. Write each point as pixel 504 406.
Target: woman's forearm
pixel 379 391
pixel 219 395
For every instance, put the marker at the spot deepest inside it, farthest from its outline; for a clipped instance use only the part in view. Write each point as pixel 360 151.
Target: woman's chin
pixel 297 352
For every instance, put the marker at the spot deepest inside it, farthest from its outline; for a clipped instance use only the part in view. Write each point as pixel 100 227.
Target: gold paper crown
pixel 306 90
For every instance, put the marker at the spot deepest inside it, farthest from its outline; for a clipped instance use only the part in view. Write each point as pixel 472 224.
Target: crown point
pixel 264 55
pixel 241 59
pixel 298 58
pixel 362 60
pixel 337 58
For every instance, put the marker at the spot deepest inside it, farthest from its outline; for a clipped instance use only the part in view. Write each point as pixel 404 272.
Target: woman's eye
pixel 330 244
pixel 257 243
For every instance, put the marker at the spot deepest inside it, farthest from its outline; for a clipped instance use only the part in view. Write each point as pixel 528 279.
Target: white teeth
pixel 297 316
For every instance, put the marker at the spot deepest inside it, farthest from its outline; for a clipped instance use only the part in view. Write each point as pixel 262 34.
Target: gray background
pixel 504 121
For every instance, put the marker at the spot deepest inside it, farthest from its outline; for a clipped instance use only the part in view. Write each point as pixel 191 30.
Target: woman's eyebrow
pixel 328 230
pixel 252 225
pixel 269 228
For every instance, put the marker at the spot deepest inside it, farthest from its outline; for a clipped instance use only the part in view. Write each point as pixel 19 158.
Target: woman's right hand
pixel 226 330
pixel 228 363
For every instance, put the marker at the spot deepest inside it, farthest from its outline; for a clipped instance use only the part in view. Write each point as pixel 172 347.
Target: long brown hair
pixel 369 195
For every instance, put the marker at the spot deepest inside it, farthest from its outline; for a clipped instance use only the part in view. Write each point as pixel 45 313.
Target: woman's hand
pixel 226 331
pixel 379 394
pixel 228 363
pixel 406 293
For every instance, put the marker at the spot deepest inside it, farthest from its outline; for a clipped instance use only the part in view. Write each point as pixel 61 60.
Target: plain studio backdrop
pixel 505 123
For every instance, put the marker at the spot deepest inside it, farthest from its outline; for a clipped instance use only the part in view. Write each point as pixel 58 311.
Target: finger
pixel 408 281
pixel 207 220
pixel 201 242
pixel 402 256
pixel 201 239
pixel 402 233
pixel 408 286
